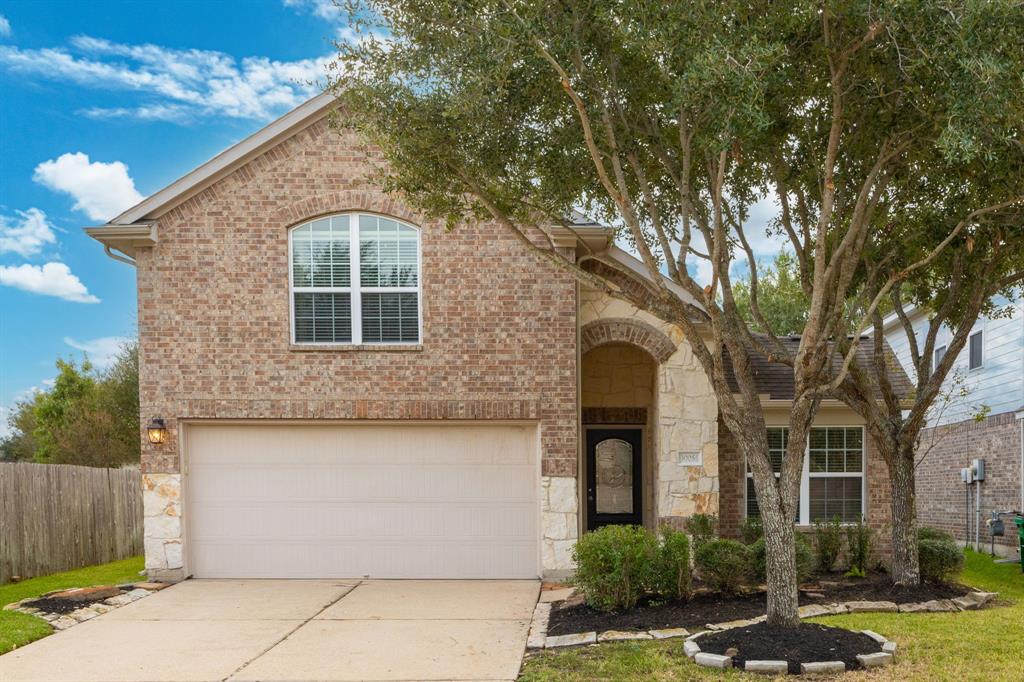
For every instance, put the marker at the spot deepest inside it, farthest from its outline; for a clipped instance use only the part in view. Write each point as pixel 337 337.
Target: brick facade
pixel 502 334
pixel 941 500
pixel 498 337
pixel 498 342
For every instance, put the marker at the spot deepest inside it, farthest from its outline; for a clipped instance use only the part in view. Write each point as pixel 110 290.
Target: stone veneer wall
pixel 499 328
pixel 616 375
pixel 685 407
pixel 161 510
pixel 941 500
pixel 559 524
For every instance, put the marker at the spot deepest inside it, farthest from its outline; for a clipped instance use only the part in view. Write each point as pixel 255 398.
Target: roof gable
pixel 227 161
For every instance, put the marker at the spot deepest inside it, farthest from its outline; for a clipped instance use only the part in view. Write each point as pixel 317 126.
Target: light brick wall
pixel 940 494
pixel 499 326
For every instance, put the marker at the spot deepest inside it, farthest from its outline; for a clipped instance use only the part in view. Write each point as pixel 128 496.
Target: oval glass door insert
pixel 614 477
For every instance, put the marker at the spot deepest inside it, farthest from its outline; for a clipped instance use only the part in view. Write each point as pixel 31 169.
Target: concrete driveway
pixel 275 630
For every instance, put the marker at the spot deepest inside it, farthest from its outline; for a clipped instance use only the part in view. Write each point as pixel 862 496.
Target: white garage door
pixel 342 501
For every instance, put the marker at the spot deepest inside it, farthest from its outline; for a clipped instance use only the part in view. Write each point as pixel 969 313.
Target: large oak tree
pixel 669 121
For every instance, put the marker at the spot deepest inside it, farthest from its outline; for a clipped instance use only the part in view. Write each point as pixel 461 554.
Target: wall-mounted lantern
pixel 157 431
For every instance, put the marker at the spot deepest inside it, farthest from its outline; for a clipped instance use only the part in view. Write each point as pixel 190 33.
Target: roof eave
pixel 125 238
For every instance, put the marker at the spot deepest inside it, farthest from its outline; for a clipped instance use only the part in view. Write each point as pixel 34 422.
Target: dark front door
pixel 614 479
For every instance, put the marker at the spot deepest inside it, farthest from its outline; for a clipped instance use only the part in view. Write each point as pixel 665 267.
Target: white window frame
pixel 935 356
pixel 981 340
pixel 806 475
pixel 355 288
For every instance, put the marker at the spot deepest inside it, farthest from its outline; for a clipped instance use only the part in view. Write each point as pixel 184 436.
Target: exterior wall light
pixel 156 430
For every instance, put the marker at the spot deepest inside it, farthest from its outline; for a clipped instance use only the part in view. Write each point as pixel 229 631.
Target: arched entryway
pixel 618 401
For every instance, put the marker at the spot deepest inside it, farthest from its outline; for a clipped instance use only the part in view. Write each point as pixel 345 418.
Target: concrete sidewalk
pixel 276 630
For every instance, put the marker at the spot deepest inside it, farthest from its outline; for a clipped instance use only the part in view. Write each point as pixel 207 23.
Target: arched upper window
pixel 355 279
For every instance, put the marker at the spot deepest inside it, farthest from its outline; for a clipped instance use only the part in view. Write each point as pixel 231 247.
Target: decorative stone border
pixel 539 639
pixel 128 593
pixel 708 660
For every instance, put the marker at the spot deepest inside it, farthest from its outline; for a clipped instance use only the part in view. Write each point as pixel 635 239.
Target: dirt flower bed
pixel 707 607
pixel 803 644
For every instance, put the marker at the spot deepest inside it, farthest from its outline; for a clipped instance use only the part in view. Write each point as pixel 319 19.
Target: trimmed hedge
pixel 724 564
pixel 672 575
pixel 938 555
pixel 702 528
pixel 828 542
pixel 805 560
pixel 615 566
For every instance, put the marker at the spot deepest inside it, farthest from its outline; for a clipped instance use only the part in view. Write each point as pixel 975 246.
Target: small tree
pixel 88 417
pixel 670 120
pixel 781 298
pixel 987 261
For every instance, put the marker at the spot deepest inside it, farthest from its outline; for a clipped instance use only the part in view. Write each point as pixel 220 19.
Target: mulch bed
pixel 55 605
pixel 804 644
pixel 75 600
pixel 708 607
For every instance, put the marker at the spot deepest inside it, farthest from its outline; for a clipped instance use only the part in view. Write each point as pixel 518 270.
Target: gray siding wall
pixel 997 384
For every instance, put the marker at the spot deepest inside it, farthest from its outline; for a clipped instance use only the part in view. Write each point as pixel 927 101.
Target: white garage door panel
pixel 388 501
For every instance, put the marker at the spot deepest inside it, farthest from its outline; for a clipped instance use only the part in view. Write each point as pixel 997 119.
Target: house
pixel 980 416
pixel 350 389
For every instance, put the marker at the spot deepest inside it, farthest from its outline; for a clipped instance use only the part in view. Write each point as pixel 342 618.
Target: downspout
pixel 117 256
pixel 1020 421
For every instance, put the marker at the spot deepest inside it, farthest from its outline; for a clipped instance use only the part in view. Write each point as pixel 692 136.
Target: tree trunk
pixel 905 568
pixel 780 567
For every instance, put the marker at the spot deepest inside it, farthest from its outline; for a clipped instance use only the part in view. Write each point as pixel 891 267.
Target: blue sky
pixel 106 102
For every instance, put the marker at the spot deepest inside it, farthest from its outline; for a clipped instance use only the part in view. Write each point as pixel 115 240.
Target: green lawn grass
pixel 973 645
pixel 18 629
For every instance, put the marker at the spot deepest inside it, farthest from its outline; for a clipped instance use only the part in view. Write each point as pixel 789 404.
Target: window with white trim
pixel 976 350
pixel 939 353
pixel 832 483
pixel 355 279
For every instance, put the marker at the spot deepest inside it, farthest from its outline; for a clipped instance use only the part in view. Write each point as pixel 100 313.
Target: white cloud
pixel 5 27
pixel 325 9
pixel 173 113
pixel 101 351
pixel 100 190
pixel 26 234
pixel 180 84
pixel 51 279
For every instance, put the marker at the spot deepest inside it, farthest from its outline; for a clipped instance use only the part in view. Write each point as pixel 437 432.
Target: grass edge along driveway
pixel 18 629
pixel 972 645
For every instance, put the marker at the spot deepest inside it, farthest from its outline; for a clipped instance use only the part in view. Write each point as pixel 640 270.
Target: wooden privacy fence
pixel 55 517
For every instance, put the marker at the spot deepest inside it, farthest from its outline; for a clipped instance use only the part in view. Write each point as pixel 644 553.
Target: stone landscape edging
pixel 868 661
pixel 539 639
pixel 131 592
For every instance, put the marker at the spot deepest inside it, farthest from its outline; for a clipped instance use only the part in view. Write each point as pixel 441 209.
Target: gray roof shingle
pixel 776 379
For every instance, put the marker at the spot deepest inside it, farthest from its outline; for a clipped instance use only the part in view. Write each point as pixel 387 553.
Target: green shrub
pixel 804 560
pixel 938 555
pixel 723 564
pixel 828 541
pixel 672 576
pixel 615 566
pixel 751 530
pixel 859 540
pixel 702 528
pixel 929 533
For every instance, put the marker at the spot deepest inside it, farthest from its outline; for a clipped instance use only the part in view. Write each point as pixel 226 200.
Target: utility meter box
pixel 967 475
pixel 996 528
pixel 978 468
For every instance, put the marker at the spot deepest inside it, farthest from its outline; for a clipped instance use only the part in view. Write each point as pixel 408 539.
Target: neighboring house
pixel 979 415
pixel 351 390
